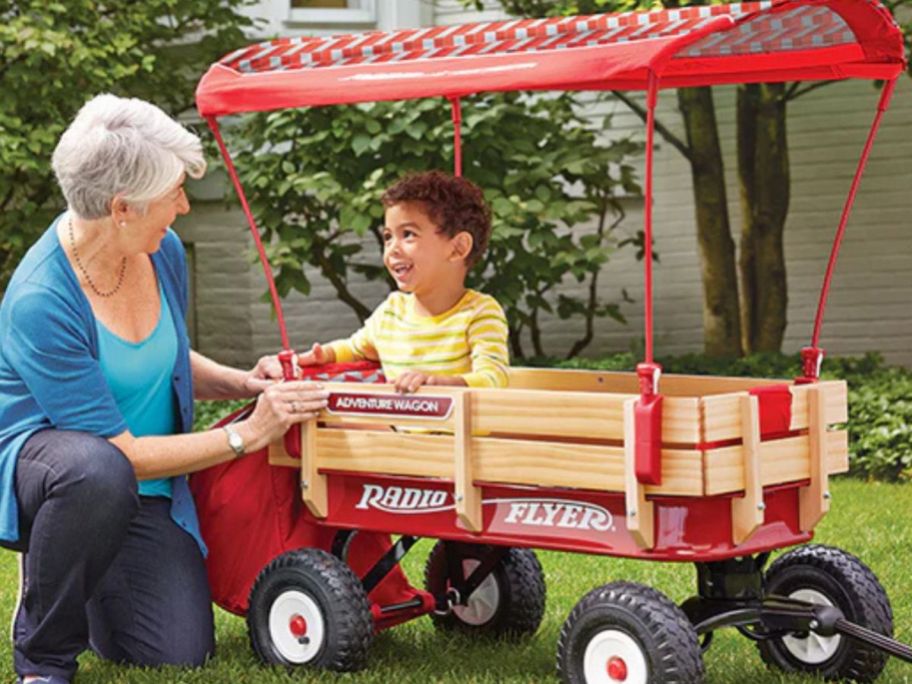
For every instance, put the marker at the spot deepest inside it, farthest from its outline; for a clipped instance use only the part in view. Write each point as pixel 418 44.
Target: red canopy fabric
pixel 774 40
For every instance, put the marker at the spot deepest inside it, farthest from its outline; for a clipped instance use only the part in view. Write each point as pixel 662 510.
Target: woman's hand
pixel 280 406
pixel 266 372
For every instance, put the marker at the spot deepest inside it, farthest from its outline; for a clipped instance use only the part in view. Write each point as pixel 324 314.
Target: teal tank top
pixel 139 375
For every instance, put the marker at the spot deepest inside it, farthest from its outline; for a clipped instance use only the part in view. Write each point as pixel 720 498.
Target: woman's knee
pixel 92 469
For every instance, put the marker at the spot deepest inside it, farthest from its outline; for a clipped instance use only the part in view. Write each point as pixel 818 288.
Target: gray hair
pixel 122 146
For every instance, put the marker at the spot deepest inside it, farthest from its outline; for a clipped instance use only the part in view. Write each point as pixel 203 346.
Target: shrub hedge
pixel 880 400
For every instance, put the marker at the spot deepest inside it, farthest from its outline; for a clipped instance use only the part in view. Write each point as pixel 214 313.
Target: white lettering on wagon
pixel 579 515
pixel 438 408
pixel 403 499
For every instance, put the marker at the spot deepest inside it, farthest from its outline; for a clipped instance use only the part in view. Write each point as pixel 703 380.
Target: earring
pixel 123 224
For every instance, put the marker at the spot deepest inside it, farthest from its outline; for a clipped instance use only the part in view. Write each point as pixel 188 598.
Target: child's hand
pixel 410 381
pixel 316 356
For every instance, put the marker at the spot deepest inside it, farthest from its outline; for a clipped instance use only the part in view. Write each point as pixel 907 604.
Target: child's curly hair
pixel 453 204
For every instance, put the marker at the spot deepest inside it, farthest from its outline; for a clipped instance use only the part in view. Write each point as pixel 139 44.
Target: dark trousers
pixel 102 567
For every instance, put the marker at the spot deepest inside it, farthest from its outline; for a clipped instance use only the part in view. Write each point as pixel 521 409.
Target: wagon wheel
pixel 509 602
pixel 627 632
pixel 308 608
pixel 829 576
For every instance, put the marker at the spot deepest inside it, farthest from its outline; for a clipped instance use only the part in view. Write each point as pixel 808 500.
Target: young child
pixel 433 331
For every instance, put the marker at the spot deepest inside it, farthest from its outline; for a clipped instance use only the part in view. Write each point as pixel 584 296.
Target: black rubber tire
pixel 520 584
pixel 851 586
pixel 665 637
pixel 339 597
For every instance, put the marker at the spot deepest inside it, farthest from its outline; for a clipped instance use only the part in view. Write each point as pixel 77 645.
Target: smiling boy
pixel 433 330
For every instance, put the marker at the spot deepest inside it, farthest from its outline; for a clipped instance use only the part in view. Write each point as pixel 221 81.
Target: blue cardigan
pixel 50 376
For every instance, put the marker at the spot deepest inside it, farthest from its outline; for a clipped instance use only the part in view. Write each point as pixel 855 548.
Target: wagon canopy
pixel 774 40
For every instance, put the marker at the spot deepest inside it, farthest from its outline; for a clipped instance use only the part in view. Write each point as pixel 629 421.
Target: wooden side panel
pixel 722 413
pixel 783 460
pixel 546 464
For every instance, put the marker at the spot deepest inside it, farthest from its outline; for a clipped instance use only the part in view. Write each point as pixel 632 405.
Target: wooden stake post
pixel 747 511
pixel 466 494
pixel 814 500
pixel 640 518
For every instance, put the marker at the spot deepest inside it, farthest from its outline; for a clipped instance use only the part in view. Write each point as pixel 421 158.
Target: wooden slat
pixel 747 510
pixel 619 382
pixel 575 414
pixel 511 461
pixel 640 513
pixel 391 453
pixel 782 460
pixel 722 413
pixel 466 494
pixel 313 484
pixel 278 456
pixel 814 500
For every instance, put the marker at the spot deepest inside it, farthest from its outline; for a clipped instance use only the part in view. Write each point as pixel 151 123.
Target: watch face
pixel 235 441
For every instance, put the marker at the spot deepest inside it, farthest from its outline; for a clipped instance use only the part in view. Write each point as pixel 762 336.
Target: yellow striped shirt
pixel 469 340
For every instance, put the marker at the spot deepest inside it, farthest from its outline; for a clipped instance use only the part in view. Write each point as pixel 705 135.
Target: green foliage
pixel 315 176
pixel 208 413
pixel 56 55
pixel 880 400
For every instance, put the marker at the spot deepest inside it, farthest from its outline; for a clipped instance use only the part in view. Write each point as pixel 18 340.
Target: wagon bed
pixel 549 462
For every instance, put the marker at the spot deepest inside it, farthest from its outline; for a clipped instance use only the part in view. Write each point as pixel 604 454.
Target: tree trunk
pixel 763 174
pixel 721 322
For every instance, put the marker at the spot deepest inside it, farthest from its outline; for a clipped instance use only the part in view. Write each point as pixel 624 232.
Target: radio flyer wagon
pixel 717 472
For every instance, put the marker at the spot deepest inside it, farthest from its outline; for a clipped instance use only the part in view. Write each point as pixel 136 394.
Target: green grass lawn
pixel 870 520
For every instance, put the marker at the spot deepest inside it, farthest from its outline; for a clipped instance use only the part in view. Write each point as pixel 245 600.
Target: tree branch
pixel 794 91
pixel 669 137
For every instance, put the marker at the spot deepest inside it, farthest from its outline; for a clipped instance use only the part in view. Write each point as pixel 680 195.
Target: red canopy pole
pixel 648 370
pixel 287 354
pixel 648 409
pixel 812 356
pixel 457 136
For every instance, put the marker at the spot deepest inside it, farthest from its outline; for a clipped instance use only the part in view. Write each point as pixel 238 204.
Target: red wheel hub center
pixel 617 669
pixel 298 626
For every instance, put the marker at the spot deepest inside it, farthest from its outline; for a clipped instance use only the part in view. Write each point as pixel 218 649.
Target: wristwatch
pixel 235 441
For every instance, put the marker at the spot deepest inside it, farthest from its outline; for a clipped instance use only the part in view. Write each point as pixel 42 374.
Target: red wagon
pixel 717 472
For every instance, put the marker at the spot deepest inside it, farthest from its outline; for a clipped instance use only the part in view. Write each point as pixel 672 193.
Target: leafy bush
pixel 208 413
pixel 56 55
pixel 880 399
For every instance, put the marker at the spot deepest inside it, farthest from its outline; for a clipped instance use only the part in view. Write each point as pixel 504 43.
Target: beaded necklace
pixel 120 278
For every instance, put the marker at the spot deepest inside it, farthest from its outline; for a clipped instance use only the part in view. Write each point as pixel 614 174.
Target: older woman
pixel 96 388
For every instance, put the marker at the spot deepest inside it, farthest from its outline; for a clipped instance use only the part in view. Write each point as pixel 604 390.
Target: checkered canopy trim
pixel 801 28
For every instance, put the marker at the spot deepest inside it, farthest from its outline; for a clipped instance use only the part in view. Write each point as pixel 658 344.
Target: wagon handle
pixel 812 356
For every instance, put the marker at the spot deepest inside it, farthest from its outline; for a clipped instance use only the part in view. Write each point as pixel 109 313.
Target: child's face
pixel 416 253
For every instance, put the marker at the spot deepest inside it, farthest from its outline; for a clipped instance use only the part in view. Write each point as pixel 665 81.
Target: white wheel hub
pixel 812 648
pixel 613 656
pixel 296 626
pixel 483 603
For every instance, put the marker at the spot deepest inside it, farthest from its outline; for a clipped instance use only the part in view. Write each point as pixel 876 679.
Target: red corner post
pixel 648 412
